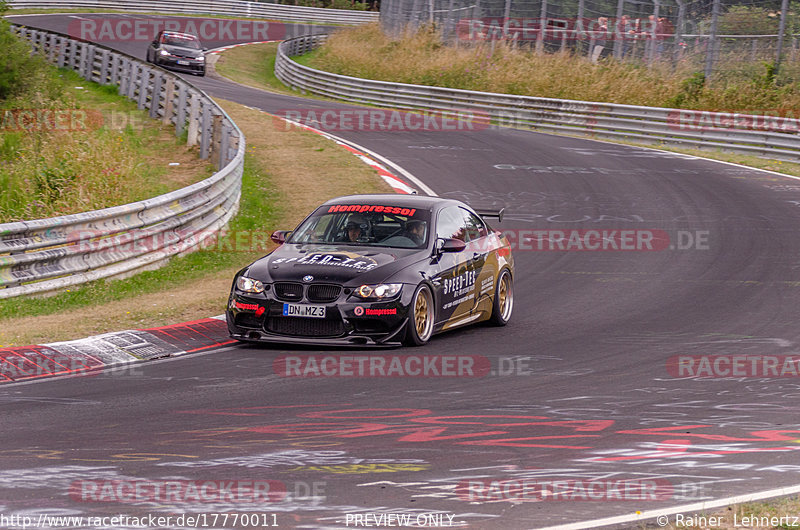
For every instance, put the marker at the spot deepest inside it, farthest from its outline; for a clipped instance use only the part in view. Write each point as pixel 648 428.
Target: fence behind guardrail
pixel 216 7
pixel 764 136
pixel 45 255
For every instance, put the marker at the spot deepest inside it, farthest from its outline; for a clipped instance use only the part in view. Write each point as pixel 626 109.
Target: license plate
pixel 184 63
pixel 302 310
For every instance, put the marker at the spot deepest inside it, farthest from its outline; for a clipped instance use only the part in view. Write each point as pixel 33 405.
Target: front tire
pixel 503 302
pixel 421 317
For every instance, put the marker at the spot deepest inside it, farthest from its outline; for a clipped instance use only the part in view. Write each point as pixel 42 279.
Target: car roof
pixel 178 34
pixel 411 201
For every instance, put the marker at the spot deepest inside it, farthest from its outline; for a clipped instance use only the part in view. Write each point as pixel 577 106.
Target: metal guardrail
pixel 218 7
pixel 741 133
pixel 49 254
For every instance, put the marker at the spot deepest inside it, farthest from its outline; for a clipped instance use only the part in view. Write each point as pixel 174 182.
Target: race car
pixel 178 51
pixel 376 270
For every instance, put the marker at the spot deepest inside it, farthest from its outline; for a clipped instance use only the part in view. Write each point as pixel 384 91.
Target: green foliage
pixel 10 146
pixel 748 20
pixel 354 5
pixel 52 182
pixel 767 80
pixel 3 6
pixel 690 91
pixel 22 75
pixel 348 4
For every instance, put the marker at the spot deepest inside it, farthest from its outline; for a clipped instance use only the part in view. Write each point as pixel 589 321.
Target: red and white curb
pixel 369 158
pixel 77 357
pixel 217 51
pixel 393 180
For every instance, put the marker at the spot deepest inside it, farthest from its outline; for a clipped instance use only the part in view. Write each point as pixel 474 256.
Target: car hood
pixel 339 264
pixel 183 52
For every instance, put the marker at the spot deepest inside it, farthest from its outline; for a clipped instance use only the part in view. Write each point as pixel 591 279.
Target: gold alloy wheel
pixel 505 296
pixel 423 320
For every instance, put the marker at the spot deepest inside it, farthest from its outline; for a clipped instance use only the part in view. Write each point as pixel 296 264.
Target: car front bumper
pixel 260 318
pixel 183 64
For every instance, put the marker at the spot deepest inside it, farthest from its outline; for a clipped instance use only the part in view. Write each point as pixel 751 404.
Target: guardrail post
pixel 144 84
pixel 115 64
pixel 73 51
pixel 133 76
pixel 104 67
pixel 89 63
pixel 194 120
pixel 81 66
pixel 180 118
pixel 224 146
pixel 124 76
pixel 169 104
pixel 205 131
pixel 53 48
pixel 216 140
pixel 62 55
pixel 155 99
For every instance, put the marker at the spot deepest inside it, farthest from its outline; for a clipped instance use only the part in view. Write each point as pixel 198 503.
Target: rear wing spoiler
pixel 492 213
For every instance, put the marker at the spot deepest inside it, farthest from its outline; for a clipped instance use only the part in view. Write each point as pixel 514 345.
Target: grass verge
pixel 100 151
pixel 287 174
pixel 420 58
pixel 253 66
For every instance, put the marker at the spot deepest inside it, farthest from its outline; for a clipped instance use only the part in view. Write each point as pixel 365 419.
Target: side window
pixel 451 224
pixel 475 227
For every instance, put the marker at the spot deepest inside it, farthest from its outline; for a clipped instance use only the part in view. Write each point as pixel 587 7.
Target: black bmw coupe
pixel 371 270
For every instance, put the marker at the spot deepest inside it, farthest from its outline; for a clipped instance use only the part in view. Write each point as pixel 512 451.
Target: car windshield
pixel 184 41
pixel 378 225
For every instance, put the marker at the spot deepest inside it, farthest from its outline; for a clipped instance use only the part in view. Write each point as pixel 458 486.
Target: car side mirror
pixel 452 245
pixel 280 236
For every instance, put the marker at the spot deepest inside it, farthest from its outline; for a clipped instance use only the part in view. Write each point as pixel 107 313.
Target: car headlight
pixel 379 292
pixel 201 58
pixel 249 285
pixel 165 53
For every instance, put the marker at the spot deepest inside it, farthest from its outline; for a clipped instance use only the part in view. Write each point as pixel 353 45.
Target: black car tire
pixel 421 317
pixel 503 302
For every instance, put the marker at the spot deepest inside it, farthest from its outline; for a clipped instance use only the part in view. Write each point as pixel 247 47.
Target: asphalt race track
pixel 584 388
